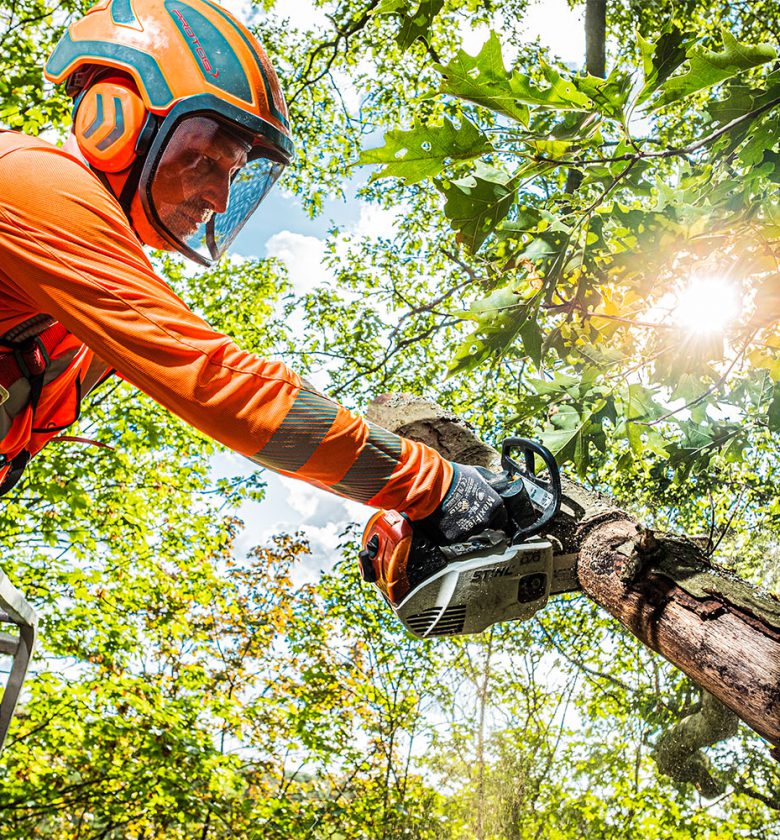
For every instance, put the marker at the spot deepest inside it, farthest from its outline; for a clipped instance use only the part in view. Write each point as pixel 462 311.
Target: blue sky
pixel 281 212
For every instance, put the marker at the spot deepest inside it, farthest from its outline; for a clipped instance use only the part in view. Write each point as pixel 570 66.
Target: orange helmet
pixel 180 113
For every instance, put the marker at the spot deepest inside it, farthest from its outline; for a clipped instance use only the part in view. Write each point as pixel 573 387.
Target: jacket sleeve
pixel 67 249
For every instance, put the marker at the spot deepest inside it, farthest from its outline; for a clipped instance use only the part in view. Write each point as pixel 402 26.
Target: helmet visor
pixel 206 182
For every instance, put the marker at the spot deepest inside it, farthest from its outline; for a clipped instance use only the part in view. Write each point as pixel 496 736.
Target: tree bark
pixel 595 60
pixel 596 37
pixel 722 632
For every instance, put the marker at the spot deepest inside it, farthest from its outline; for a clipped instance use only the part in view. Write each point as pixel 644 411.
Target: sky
pixel 281 229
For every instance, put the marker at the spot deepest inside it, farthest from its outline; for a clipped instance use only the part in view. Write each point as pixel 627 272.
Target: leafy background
pixel 187 687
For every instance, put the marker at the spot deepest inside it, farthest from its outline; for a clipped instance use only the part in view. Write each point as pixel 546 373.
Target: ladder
pixel 17 612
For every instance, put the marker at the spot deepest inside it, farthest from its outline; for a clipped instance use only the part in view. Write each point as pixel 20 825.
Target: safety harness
pixel 25 354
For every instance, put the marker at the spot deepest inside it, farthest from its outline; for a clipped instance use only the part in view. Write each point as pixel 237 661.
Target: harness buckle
pixel 33 359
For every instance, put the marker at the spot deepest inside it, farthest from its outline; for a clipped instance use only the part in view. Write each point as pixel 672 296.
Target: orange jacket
pixel 67 250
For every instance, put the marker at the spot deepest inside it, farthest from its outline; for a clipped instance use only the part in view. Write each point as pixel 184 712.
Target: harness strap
pixel 26 353
pixel 34 325
pixel 29 359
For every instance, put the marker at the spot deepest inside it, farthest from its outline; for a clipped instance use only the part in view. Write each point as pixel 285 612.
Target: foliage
pixel 237 714
pixel 584 281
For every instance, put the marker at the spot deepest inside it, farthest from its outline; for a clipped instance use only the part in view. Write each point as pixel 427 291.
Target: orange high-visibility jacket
pixel 67 251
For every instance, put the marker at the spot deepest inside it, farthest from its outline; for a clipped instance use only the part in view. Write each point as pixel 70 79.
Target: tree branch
pixel 665 153
pixel 678 752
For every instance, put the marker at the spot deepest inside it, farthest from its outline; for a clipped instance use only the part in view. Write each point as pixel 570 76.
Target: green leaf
pixel 561 383
pixel 639 403
pixel 533 340
pixel 477 203
pixel 688 387
pixel 484 80
pixel 660 59
pixel 416 25
pixel 500 317
pixel 575 128
pixel 707 68
pixel 390 7
pixel 653 441
pixel 568 435
pixel 607 96
pixel 423 151
pixel 763 137
pixel 773 415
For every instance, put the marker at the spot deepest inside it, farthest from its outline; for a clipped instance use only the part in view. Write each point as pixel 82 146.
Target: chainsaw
pixel 494 576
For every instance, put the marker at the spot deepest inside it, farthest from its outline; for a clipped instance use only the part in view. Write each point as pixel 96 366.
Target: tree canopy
pixel 628 316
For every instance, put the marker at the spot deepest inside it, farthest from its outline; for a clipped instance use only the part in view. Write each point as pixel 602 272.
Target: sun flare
pixel 706 305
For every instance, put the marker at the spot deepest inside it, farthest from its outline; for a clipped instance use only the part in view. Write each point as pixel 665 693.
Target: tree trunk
pixel 595 60
pixel 722 632
pixel 596 37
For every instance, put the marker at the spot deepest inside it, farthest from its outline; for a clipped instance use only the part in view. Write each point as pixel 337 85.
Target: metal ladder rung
pixel 8 644
pixel 14 609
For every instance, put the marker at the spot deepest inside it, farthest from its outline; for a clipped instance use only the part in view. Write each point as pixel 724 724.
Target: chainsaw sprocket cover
pixel 469 595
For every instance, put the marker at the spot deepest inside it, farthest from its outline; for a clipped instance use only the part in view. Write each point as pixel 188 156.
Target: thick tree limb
pixel 678 751
pixel 722 632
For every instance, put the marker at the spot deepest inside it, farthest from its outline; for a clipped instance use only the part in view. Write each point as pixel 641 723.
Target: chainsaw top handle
pixel 546 495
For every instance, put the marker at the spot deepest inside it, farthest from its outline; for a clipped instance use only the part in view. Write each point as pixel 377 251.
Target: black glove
pixel 470 506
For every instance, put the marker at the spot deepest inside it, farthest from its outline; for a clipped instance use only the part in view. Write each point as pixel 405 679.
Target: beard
pixel 184 219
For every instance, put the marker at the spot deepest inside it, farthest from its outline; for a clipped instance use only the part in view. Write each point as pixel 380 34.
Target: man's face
pixel 192 181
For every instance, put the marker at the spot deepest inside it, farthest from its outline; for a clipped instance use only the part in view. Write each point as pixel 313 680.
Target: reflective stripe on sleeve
pixel 300 433
pixel 373 467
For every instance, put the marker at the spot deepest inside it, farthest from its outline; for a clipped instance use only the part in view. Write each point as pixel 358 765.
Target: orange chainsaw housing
pixel 387 541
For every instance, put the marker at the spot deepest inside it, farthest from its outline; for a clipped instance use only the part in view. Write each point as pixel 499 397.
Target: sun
pixel 706 305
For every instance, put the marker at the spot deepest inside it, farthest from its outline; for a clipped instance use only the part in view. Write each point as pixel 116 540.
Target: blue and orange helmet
pixel 178 109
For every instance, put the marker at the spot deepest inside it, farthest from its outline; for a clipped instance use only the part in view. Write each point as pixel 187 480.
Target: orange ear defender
pixel 112 124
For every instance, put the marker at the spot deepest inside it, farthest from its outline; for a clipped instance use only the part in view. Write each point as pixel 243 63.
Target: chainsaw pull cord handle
pixel 530 448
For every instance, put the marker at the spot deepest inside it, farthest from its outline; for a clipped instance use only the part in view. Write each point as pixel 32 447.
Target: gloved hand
pixel 470 506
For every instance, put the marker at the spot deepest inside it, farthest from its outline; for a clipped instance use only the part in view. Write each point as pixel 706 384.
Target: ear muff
pixel 109 119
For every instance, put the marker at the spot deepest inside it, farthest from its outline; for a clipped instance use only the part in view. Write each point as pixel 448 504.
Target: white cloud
pixel 295 506
pixel 557 27
pixel 302 14
pixel 290 504
pixel 319 507
pixel 303 257
pixel 376 221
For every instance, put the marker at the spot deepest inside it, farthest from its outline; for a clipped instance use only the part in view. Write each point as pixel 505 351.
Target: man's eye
pixel 204 165
pixel 198 164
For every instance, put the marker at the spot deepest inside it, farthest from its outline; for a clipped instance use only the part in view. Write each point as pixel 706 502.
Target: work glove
pixel 470 507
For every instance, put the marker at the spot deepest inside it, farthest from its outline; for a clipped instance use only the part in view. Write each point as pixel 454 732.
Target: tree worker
pixel 179 131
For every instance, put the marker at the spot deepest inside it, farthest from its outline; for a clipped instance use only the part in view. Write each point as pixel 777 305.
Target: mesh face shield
pixel 203 182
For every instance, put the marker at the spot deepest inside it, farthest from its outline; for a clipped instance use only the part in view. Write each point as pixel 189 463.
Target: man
pixel 180 129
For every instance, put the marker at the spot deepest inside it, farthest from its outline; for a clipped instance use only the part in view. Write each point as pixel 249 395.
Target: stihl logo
pixel 196 45
pixel 489 574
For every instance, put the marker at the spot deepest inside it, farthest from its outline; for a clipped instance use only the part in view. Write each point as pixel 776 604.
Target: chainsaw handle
pixel 530 448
